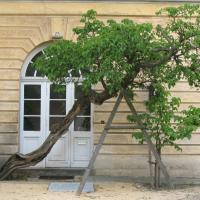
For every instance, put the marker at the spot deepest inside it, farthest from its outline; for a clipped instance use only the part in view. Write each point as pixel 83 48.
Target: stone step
pixel 47 173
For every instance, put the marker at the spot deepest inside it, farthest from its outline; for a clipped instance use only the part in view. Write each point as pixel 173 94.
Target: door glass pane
pixel 32 123
pixel 54 120
pixel 32 91
pixel 78 92
pixel 39 74
pixel 86 110
pixel 82 124
pixel 54 94
pixel 57 107
pixel 30 70
pixel 31 107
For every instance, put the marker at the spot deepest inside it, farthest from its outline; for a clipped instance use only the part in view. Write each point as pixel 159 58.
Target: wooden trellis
pixel 108 126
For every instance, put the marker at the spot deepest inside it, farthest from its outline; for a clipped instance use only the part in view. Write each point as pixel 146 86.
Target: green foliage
pixel 103 51
pixel 163 121
pixel 128 55
pixel 120 52
pixel 181 33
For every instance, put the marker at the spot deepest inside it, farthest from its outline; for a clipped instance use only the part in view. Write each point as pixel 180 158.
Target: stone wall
pixel 26 25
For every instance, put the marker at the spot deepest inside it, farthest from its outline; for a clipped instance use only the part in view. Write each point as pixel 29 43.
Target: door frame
pixel 45 81
pixel 72 134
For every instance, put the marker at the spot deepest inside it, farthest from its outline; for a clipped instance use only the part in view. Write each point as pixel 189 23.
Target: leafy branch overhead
pixel 164 121
pixel 128 54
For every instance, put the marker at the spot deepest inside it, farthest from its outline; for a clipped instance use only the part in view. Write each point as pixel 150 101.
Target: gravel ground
pixel 38 190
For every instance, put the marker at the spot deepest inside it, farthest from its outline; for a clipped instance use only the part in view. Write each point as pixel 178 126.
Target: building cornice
pixel 65 8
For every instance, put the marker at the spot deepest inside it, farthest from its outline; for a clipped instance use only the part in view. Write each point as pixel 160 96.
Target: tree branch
pixel 103 84
pixel 151 64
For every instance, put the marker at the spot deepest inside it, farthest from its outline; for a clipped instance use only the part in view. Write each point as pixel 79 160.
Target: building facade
pixel 28 105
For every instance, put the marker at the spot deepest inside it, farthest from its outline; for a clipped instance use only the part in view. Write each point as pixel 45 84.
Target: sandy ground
pixel 38 190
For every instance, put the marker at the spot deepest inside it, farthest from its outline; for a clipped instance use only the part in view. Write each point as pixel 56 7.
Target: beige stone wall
pixel 19 35
pixel 121 154
pixel 26 25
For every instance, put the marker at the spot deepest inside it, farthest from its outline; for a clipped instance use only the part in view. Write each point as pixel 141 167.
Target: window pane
pixel 38 74
pixel 82 124
pixel 58 95
pixel 32 107
pixel 32 91
pixel 36 56
pixel 31 123
pixel 54 120
pixel 57 107
pixel 30 70
pixel 78 92
pixel 86 111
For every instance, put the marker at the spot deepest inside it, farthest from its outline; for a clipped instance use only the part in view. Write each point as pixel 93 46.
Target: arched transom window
pixel 31 71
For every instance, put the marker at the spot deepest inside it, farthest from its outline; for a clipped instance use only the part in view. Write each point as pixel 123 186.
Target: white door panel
pixel 32 116
pixel 81 151
pixel 59 155
pixel 71 150
pixel 81 137
pixel 30 144
pixel 57 105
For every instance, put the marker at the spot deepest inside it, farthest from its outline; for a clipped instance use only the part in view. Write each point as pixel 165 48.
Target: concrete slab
pixel 69 187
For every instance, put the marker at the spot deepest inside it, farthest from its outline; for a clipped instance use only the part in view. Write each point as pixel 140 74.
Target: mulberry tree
pixel 122 55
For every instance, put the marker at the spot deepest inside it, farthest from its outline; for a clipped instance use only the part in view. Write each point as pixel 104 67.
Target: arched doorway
pixel 40 107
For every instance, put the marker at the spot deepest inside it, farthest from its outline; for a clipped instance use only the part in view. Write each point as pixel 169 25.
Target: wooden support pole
pixel 99 145
pixel 148 140
pixel 150 168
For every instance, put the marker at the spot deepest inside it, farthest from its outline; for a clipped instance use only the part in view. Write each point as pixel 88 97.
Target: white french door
pixel 41 107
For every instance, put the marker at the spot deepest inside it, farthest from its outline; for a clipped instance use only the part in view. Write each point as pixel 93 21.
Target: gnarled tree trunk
pixel 19 160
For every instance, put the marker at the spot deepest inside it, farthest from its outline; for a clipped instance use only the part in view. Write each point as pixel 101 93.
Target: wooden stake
pixel 148 140
pixel 151 168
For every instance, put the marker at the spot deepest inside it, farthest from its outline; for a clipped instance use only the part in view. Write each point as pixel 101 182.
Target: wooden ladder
pixel 108 126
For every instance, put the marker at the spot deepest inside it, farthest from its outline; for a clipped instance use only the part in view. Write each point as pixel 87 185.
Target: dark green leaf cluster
pixel 119 53
pixel 165 124
pixel 112 52
pixel 182 35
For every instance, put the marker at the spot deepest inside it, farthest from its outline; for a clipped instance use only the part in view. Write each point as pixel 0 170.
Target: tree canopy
pixel 128 54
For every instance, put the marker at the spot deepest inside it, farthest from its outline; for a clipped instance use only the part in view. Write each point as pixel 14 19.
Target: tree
pixel 121 56
pixel 165 123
